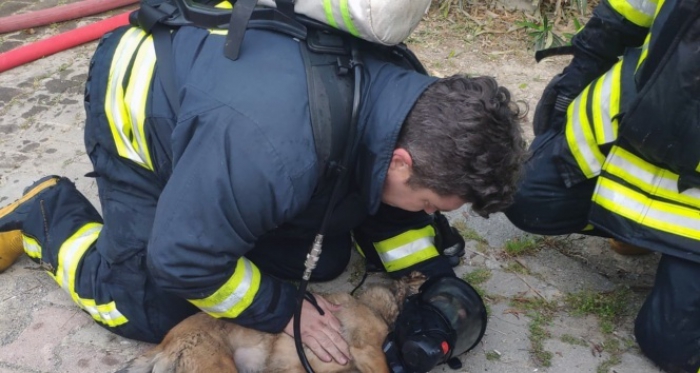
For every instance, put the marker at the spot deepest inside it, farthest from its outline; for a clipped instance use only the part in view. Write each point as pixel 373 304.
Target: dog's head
pixel 387 301
pixel 407 286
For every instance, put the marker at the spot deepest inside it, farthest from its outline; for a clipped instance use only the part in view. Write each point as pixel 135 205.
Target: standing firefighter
pixel 211 200
pixel 622 159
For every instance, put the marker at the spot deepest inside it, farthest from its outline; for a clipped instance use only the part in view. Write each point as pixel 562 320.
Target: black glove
pixel 595 49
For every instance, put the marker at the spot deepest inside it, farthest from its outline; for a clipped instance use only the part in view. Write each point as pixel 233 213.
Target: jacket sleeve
pixel 228 187
pixel 614 26
pixel 401 242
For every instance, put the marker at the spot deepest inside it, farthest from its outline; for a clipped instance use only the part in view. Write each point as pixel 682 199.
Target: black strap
pixel 311 299
pixel 318 109
pixel 555 51
pixel 237 26
pixel 286 7
pixel 163 43
pixel 150 18
pixel 329 86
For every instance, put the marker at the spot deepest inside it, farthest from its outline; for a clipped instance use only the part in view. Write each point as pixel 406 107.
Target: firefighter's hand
pixel 322 334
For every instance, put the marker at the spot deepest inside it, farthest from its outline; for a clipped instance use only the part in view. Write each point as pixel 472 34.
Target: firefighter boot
pixel 11 248
pixel 12 217
pixel 627 249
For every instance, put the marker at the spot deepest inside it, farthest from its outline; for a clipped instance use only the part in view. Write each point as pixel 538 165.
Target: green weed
pixel 468 233
pixel 540 313
pixel 609 307
pixel 526 245
pixel 541 33
pixel 477 276
pixel 576 341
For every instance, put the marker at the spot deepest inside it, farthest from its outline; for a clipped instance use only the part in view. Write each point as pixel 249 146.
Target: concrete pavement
pixel 538 322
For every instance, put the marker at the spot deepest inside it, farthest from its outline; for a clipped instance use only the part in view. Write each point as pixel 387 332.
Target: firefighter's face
pixel 399 194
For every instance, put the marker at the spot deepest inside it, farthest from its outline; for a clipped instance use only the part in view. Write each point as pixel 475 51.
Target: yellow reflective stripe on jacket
pixel 31 247
pixel 580 137
pixel 127 93
pixel 656 214
pixel 69 256
pixel 592 120
pixel 235 295
pixel 407 249
pixel 639 12
pixel 606 105
pixel 653 180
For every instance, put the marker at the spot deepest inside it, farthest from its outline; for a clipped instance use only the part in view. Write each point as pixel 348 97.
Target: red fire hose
pixel 54 44
pixel 59 14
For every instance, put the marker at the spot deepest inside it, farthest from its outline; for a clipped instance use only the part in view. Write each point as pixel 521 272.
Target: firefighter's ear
pixel 401 159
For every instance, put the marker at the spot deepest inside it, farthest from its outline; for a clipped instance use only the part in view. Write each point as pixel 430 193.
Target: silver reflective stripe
pixel 139 84
pixel 582 144
pixel 606 95
pixel 115 85
pixel 406 250
pixel 643 6
pixel 651 179
pixel 237 295
pixel 110 314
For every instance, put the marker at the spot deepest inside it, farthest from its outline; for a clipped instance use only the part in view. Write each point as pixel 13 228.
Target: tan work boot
pixel 11 248
pixel 627 249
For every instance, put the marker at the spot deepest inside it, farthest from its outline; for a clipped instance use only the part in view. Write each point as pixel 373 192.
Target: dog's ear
pixel 414 280
pixel 407 285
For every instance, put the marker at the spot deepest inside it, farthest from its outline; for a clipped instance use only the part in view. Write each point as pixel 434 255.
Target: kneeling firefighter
pixel 447 317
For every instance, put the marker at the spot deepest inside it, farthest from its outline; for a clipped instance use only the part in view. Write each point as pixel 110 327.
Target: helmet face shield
pixel 462 308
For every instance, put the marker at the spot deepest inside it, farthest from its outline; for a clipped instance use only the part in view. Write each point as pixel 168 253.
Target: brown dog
pixel 202 344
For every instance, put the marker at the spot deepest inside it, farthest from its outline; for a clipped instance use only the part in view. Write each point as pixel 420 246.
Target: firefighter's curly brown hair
pixel 465 139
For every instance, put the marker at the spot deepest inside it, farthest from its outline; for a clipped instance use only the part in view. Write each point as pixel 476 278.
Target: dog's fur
pixel 202 344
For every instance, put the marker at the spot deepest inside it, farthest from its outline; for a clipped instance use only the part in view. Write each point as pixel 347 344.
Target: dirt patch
pixel 489 43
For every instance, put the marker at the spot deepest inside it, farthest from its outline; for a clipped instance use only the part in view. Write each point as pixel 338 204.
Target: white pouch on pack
pixel 386 22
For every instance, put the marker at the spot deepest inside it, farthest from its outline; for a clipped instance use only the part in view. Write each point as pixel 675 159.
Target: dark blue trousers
pixel 667 327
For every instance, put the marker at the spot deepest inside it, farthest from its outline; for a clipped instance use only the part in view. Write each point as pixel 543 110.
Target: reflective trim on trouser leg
pixel 69 257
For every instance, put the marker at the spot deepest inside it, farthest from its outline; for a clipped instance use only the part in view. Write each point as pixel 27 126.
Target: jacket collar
pixel 389 92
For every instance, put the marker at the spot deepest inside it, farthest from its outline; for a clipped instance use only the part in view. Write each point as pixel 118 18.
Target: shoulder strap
pixel 236 27
pixel 163 43
pixel 150 18
pixel 329 82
